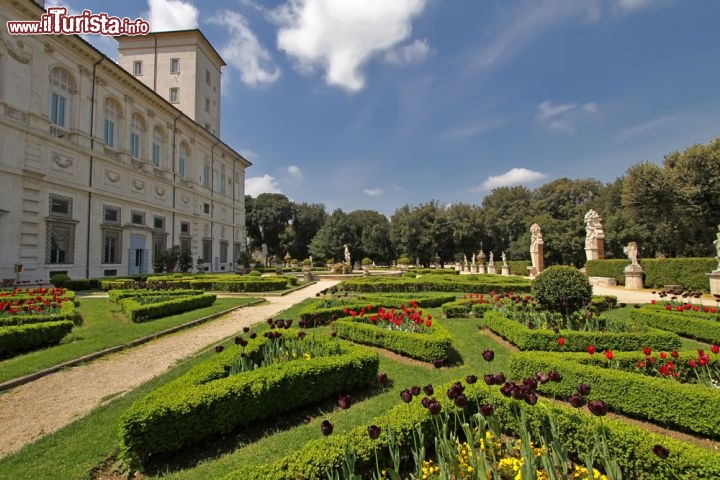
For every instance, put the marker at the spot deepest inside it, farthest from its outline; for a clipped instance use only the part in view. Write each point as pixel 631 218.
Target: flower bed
pixel 687 324
pixel 208 401
pixel 144 308
pixel 576 341
pixel 692 408
pixel 116 295
pixel 404 331
pixel 16 339
pixel 631 446
pixel 439 283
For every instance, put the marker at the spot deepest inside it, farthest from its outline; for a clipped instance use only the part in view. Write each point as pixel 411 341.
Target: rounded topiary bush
pixel 255 273
pixel 562 289
pixel 59 280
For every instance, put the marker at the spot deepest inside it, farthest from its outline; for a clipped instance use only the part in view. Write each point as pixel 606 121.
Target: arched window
pixel 182 158
pixel 158 146
pixel 137 136
pixel 62 87
pixel 111 130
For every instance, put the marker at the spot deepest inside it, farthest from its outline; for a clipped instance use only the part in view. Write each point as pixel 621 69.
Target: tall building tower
pixel 182 67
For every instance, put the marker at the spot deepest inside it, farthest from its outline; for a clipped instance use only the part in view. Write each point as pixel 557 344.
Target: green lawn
pixel 75 450
pixel 104 326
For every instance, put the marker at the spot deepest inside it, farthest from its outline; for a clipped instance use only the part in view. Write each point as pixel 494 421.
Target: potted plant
pixel 243 262
pixel 306 265
pixel 403 263
pixel 366 262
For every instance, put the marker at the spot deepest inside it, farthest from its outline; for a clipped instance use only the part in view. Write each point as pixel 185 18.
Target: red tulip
pixel 561 341
pixel 591 349
pixel 609 354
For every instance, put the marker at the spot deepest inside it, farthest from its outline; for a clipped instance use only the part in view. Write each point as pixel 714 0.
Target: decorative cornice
pixel 16 51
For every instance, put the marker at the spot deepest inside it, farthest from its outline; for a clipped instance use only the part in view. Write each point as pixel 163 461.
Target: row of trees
pixel 670 210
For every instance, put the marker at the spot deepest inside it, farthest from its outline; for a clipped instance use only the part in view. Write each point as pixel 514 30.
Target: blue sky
pixel 372 104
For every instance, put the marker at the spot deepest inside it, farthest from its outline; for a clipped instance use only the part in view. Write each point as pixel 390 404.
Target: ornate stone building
pixel 105 165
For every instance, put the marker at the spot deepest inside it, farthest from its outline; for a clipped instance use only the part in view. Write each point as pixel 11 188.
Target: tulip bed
pixel 632 447
pixel 693 408
pixel 208 401
pixel 438 283
pixel 144 308
pixel 700 326
pixel 576 341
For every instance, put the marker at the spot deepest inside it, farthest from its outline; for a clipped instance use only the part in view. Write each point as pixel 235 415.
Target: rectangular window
pixel 206 176
pixel 184 227
pixel 181 166
pixel 236 250
pixel 156 154
pixel 207 105
pixel 207 77
pixel 135 145
pixel 159 242
pixel 159 223
pixel 60 243
pixel 60 206
pixel 222 183
pixel 207 251
pixel 185 244
pixel 137 67
pixel 138 218
pixel 111 214
pixel 223 252
pixel 109 273
pixel 174 95
pixel 174 65
pixel 109 133
pixel 206 208
pixel 57 110
pixel 112 248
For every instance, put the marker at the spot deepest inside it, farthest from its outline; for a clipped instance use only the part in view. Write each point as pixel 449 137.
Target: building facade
pixel 100 172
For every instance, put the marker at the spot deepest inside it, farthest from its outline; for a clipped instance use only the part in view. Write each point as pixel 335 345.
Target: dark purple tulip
pixel 531 398
pixel 326 427
pixel 531 326
pixel 488 355
pixel 333 334
pixel 345 401
pixel 219 348
pixel 597 407
pixel 506 389
pixel 499 378
pixel 270 322
pixel 438 362
pixel 373 431
pixel 661 451
pixel 489 379
pixel 470 379
pixel 288 323
pixel 227 368
pixel 530 383
pixel 382 378
pixel 415 390
pixel 487 409
pixel 434 407
pixel 576 400
pixel 253 335
pixel 238 340
pixel 246 329
pixel 583 389
pixel 406 396
pixel 517 392
pixel 301 334
pixel 425 401
pixel 555 329
pixel 555 376
pixel 460 401
pixel 429 390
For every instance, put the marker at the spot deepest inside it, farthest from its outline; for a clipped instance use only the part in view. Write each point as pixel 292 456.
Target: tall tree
pixel 307 220
pixel 467 229
pixel 505 217
pixel 328 243
pixel 271 214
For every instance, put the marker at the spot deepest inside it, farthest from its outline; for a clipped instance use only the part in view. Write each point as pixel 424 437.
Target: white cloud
pixel 473 129
pixel 254 186
pixel 340 36
pixel 415 52
pixel 373 192
pixel 244 52
pixel 167 15
pixel 591 107
pixel 562 118
pixel 633 4
pixel 548 110
pixel 294 170
pixel 646 127
pixel 249 154
pixel 515 176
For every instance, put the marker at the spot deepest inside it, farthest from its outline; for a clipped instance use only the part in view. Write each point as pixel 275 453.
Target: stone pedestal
pixel 481 269
pixel 491 269
pixel 532 272
pixel 597 252
pixel 634 277
pixel 506 270
pixel 458 267
pixel 473 268
pixel 714 282
pixel 538 259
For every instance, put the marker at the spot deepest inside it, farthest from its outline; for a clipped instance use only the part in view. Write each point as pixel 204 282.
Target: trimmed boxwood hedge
pixel 577 341
pixel 439 283
pixel 688 272
pixel 691 408
pixel 465 309
pixel 423 346
pixel 67 312
pixel 117 295
pixel 228 284
pixel 630 445
pixel 138 312
pixel 16 339
pixel 207 401
pixel 519 267
pixel 703 329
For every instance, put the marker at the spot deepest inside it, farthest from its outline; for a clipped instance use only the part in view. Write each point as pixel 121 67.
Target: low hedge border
pixel 206 401
pixel 519 267
pixel 630 445
pixel 444 283
pixel 141 313
pixel 117 295
pixel 465 309
pixel 688 272
pixel 240 284
pixel 691 408
pixel 577 341
pixel 423 346
pixel 67 312
pixel 16 339
pixel 706 330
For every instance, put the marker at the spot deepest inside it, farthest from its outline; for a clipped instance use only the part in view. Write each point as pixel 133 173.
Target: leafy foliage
pixel 562 289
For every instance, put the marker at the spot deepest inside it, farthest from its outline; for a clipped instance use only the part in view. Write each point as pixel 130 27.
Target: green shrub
pixel 207 401
pixel 519 267
pixel 703 329
pixel 59 280
pixel 465 309
pixel 423 346
pixel 436 271
pixel 562 289
pixel 438 283
pixel 255 273
pixel 630 445
pixel 608 268
pixel 577 341
pixel 691 408
pixel 687 272
pixel 409 275
pixel 67 312
pixel 117 295
pixel 82 284
pixel 403 261
pixel 138 312
pixel 16 339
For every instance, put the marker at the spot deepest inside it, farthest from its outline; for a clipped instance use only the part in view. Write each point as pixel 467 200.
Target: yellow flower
pixel 307 356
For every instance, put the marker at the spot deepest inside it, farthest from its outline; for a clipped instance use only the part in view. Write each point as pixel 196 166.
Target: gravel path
pixel 43 406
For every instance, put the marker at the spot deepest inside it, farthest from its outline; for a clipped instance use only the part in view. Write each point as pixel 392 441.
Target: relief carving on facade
pixel 62 161
pixel 16 49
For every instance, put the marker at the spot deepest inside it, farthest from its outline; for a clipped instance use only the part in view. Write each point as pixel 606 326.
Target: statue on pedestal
pixel 717 248
pixel 594 236
pixel 631 252
pixel 504 259
pixel 491 261
pixel 536 248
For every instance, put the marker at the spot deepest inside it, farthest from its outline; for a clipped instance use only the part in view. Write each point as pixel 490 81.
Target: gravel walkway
pixel 43 406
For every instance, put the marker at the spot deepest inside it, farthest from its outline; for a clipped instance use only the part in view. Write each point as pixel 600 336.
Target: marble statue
pixel 717 247
pixel 536 247
pixel 491 261
pixel 347 254
pixel 632 253
pixel 504 259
